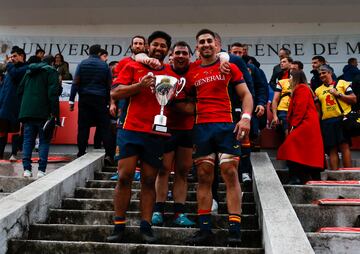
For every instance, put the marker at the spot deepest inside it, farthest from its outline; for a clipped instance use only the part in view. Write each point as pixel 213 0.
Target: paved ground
pixel 16 169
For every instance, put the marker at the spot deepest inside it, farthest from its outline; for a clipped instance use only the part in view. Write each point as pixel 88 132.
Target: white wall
pixel 188 31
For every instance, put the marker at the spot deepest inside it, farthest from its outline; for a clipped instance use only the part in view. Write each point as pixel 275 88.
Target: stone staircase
pixel 314 216
pixel 83 222
pixel 10 184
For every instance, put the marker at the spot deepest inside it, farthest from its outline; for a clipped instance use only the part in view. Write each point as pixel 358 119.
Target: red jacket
pixel 304 143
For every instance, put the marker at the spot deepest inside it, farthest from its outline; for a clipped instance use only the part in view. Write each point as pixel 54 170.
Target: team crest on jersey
pixel 329 101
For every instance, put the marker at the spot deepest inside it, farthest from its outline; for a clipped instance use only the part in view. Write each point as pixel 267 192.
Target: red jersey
pixel 213 92
pixel 142 107
pixel 121 64
pixel 178 120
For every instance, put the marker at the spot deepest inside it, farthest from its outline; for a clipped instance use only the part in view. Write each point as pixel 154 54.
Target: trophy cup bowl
pixel 166 88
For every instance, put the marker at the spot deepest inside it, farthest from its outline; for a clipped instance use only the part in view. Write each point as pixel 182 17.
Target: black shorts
pixel 149 148
pixel 179 138
pixel 215 138
pixel 333 133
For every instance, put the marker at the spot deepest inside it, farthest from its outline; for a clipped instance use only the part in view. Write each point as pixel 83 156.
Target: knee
pixel 148 182
pixel 125 178
pixel 229 174
pixel 204 177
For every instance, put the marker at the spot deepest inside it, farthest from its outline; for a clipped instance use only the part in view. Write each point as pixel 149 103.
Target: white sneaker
pixel 13 158
pixel 41 174
pixel 246 177
pixel 214 207
pixel 27 173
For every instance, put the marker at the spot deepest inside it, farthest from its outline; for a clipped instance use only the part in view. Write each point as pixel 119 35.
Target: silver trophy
pixel 166 88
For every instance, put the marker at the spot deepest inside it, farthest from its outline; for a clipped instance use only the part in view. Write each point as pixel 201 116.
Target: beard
pixel 158 55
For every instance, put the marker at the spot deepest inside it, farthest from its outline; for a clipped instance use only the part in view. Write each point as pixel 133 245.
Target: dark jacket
pixel 260 86
pixel 350 71
pixel 39 93
pixel 274 77
pixel 63 70
pixel 9 101
pixel 92 77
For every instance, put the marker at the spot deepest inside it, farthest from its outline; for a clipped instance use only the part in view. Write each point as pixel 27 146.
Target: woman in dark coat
pixel 62 67
pixel 303 148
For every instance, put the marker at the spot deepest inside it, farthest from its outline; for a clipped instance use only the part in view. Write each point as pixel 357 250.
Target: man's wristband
pixel 246 116
pixel 71 103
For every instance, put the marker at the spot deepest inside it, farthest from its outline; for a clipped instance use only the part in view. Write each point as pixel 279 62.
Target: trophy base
pixel 160 130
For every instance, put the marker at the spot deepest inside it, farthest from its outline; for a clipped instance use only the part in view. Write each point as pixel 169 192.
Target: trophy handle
pixel 181 82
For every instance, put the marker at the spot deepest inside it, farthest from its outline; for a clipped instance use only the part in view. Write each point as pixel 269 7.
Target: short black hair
pixel 299 63
pixel 39 51
pixel 103 52
pixel 352 60
pixel 181 44
pixel 95 49
pixel 162 35
pixel 112 63
pixel 18 50
pixel 237 44
pixel 205 31
pixel 287 51
pixel 138 36
pixel 290 60
pixel 320 58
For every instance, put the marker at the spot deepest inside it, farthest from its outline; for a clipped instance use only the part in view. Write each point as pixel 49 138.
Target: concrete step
pixel 11 184
pixel 106 175
pixel 107 205
pixel 59 247
pixel 282 164
pixel 342 243
pixel 305 194
pixel 170 236
pixel 103 193
pixel 340 175
pixel 4 194
pixel 136 185
pixel 93 217
pixel 314 217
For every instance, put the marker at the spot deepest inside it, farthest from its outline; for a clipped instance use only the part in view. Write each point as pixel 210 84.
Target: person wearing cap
pixel 331 97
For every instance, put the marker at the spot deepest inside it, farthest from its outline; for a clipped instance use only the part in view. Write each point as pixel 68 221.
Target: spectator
pixel 40 102
pixel 282 92
pixel 351 70
pixel 92 81
pixel 9 103
pixel 332 95
pixel 62 67
pixel 316 81
pixel 283 52
pixel 39 55
pixel 303 148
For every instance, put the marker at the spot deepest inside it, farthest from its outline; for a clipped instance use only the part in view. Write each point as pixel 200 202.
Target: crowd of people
pixel 211 126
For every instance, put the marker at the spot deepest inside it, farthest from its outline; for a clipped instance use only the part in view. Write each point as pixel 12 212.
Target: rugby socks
pixel 234 223
pixel 159 207
pixel 204 220
pixel 178 209
pixel 119 223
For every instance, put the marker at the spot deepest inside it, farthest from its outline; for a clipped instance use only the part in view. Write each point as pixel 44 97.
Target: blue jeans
pixel 31 130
